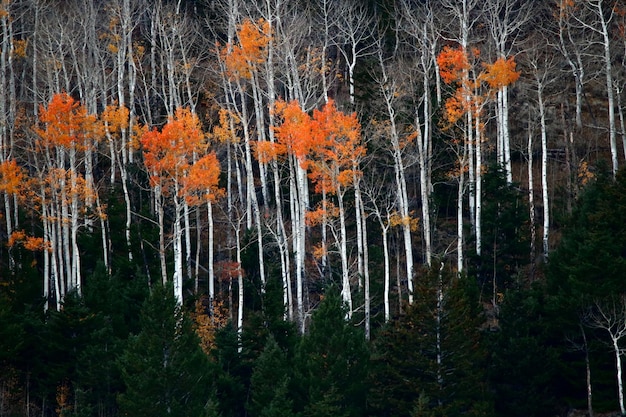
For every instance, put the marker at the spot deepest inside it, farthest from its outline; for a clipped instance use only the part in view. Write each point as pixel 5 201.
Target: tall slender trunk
pixel 544 174
pixel 211 252
pixel 618 366
pixel 346 292
pixel 610 92
pixel 531 204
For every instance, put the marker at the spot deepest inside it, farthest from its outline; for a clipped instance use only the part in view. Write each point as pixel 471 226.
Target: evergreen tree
pixel 586 272
pixel 269 384
pixel 163 367
pixel 505 234
pixel 331 364
pixel 431 361
pixel 527 357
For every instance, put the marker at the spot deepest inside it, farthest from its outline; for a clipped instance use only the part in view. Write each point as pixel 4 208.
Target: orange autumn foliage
pixel 201 183
pixel 208 319
pixel 31 243
pixel 241 59
pixel 452 63
pixel 294 133
pixel 327 144
pixel 168 153
pixel 501 73
pixel 225 130
pixel 115 118
pixel 169 157
pixel 13 178
pixel 67 123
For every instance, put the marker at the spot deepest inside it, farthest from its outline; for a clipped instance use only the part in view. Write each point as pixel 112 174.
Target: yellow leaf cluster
pixel 20 46
pixel 398 220
pixel 208 319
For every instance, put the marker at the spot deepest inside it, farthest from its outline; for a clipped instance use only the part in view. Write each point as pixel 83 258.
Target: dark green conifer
pixel 163 367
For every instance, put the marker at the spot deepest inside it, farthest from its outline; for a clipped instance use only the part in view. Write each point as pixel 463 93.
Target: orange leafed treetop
pixel 224 132
pixel 452 63
pixel 201 182
pixel 13 179
pixel 336 149
pixel 328 143
pixel 67 123
pixel 253 39
pixel 501 73
pixel 168 154
pixel 295 132
pixel 115 118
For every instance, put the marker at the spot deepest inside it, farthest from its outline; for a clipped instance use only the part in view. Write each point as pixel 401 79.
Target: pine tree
pixel 431 361
pixel 163 367
pixel 269 383
pixel 331 364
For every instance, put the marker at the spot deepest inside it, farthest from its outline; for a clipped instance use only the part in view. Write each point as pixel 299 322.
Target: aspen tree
pixel 63 190
pixel 505 20
pixel 389 90
pixel 168 157
pixel 419 24
pixel 241 61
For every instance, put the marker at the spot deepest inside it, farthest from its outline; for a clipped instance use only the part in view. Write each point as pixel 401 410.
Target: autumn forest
pixel 274 208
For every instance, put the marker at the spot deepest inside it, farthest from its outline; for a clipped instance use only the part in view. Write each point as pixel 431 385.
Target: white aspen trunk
pixel 239 290
pixel 66 250
pixel 127 224
pixel 366 271
pixel 188 248
pixel 406 233
pixel 178 250
pixel 260 131
pixel 531 203
pixel 506 139
pixel 620 112
pixel 106 244
pixel 158 202
pixel 47 237
pixel 211 252
pixel 479 186
pixel 56 260
pixel 544 174
pixel 471 171
pixel 299 226
pixel 609 89
pixel 424 155
pixel 75 216
pixel 360 226
pixel 387 285
pixel 250 192
pixel 618 367
pixel 459 212
pixel 346 292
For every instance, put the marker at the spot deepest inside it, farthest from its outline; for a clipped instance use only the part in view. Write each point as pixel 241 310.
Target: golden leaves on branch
pixel 398 220
pixel 31 243
pixel 178 160
pixel 454 66
pixel 208 317
pixel 501 73
pixel 242 59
